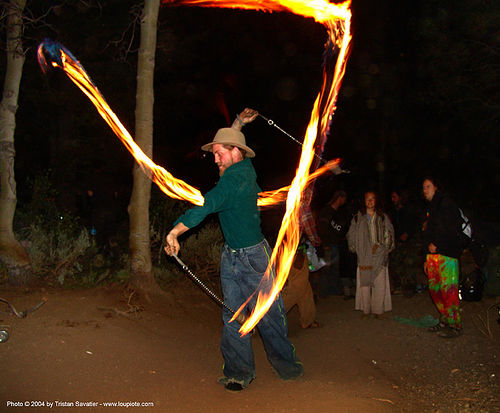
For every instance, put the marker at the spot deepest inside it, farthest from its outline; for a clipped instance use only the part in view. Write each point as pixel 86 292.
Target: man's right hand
pixel 173 247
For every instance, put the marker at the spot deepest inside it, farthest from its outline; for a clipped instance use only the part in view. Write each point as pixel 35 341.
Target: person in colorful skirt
pixel 442 241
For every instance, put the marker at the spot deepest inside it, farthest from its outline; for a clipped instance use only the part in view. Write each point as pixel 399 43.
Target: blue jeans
pixel 241 276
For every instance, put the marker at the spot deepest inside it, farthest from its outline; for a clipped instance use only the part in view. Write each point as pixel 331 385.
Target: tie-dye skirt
pixel 443 273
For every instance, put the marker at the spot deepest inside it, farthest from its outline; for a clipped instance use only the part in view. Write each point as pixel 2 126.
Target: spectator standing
pixel 307 221
pixel 333 226
pixel 402 259
pixel 371 237
pixel 443 245
pixel 298 290
pixel 401 216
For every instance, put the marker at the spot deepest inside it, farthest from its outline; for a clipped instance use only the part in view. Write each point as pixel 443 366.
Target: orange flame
pixel 278 196
pixel 171 186
pixel 337 20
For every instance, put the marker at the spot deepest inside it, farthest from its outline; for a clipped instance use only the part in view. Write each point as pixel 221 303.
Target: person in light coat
pixel 371 237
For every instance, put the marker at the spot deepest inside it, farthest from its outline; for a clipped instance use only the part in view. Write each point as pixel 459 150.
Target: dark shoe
pixel 233 386
pixel 450 332
pixel 438 327
pixel 293 376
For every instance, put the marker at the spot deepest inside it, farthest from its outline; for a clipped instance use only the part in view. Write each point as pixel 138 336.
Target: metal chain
pixel 271 122
pixel 240 318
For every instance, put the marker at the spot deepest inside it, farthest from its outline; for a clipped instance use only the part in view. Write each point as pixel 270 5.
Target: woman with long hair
pixel 371 237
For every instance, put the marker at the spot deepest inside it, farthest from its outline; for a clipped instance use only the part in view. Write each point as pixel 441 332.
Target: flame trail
pixel 61 57
pixel 337 20
pixel 278 196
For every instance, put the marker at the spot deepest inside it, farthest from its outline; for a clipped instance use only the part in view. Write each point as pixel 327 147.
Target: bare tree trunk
pixel 12 254
pixel 142 276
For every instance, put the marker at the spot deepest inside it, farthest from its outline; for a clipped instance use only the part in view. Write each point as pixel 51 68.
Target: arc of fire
pixel 64 59
pixel 336 19
pixel 171 186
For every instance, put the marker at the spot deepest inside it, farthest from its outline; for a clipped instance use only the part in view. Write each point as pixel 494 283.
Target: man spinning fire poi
pixel 245 257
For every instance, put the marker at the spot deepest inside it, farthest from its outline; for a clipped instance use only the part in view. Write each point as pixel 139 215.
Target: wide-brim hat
pixel 230 136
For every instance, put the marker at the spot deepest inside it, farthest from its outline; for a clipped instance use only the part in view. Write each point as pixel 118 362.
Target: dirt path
pixel 79 348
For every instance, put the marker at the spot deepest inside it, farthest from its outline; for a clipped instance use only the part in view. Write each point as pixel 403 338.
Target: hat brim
pixel 249 152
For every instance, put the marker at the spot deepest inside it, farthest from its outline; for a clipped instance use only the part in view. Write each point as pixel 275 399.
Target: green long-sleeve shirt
pixel 234 198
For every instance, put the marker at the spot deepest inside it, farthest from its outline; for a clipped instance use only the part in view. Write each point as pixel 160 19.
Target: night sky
pixel 411 103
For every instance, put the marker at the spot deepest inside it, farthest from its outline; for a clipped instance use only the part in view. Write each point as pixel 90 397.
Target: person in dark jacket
pixel 403 216
pixel 442 241
pixel 333 226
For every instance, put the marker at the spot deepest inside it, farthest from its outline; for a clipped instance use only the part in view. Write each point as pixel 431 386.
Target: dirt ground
pixel 84 348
